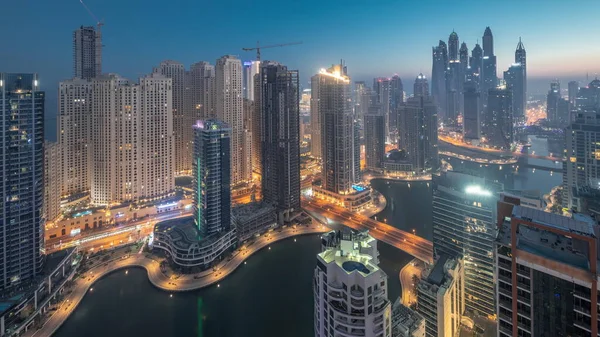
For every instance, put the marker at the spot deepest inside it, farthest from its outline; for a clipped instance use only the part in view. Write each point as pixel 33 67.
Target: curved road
pixel 185 282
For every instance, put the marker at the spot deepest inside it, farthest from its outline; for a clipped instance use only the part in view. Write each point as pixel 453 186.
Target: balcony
pixel 504 278
pixel 582 310
pixel 505 330
pixel 524 326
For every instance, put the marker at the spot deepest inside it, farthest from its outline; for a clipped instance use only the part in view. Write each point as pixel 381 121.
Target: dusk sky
pixel 375 38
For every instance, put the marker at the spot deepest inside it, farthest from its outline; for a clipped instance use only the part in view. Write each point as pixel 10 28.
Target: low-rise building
pixel 180 240
pixel 357 200
pixel 406 322
pixel 252 219
pixel 440 297
pixel 79 221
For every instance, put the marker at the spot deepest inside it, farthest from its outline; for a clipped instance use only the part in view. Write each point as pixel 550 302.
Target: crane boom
pixel 98 22
pixel 258 47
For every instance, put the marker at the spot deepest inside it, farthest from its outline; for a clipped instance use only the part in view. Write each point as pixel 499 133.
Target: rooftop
pixel 544 243
pixel 404 319
pixel 251 210
pixel 350 251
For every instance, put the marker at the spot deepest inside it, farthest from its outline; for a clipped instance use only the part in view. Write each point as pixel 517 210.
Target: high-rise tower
pixel 489 76
pixel 251 69
pixel 75 135
pixel 515 82
pixel 350 290
pixel 132 157
pixel 331 91
pixel 396 100
pixel 499 118
pixel 418 129
pixel 382 92
pixel 229 104
pixel 280 139
pixel 182 126
pixel 87 53
pixel 438 76
pixel 472 112
pixel 211 171
pixel 374 139
pixel 453 47
pixel 22 172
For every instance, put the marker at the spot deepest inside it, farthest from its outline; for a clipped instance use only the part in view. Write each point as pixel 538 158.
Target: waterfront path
pixel 174 283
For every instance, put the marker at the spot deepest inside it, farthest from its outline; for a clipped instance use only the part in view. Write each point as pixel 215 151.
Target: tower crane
pixel 99 23
pixel 259 47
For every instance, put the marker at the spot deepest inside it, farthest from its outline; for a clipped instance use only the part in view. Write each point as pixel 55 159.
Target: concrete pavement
pixel 186 282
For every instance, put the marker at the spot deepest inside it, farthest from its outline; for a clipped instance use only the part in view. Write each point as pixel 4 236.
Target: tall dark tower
pixel 488 42
pixel 463 55
pixel 453 46
pixel 438 76
pixel 476 59
pixel 489 76
pixel 421 87
pixel 279 89
pixel 521 57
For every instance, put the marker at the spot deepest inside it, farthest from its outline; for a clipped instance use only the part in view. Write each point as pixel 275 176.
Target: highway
pixel 459 143
pixel 410 243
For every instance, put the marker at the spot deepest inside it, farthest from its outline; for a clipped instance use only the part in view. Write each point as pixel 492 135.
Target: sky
pixel 374 37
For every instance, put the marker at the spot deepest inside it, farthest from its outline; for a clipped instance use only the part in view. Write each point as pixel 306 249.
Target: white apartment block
pixel 132 132
pixel 182 126
pixel 74 121
pixel 441 299
pixel 229 108
pixel 350 290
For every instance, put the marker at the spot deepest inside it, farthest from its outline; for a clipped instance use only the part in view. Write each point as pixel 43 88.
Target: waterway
pixel 272 294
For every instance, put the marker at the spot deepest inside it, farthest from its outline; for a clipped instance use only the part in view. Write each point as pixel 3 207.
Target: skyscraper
pixel 361 99
pixel 211 172
pixel 251 68
pixel 515 82
pixel 331 91
pixel 75 135
pixel 229 104
pixel 438 76
pixel 53 174
pixel 132 139
pixel 573 87
pixel 200 93
pixel 464 225
pixel 382 92
pixel 374 139
pixel 557 108
pixel 396 100
pixel 350 290
pixel 472 112
pixel 280 140
pixel 87 53
pixel 521 58
pixel 418 129
pixel 315 118
pixel 498 128
pixel 454 80
pixel 421 86
pixel 182 126
pixel 489 76
pixel 582 148
pixel 22 170
pixel 546 269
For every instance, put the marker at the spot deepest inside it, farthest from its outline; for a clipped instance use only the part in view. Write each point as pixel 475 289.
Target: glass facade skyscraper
pixel 212 177
pixel 22 170
pixel 279 90
pixel 464 225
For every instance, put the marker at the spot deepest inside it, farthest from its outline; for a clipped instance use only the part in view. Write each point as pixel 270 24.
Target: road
pixel 410 243
pixel 406 280
pixel 185 282
pixel 113 236
pixel 459 143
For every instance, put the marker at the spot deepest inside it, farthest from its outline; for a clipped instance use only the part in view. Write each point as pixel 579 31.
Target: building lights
pixel 477 190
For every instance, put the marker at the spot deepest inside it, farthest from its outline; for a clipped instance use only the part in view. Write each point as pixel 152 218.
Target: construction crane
pixel 99 23
pixel 259 47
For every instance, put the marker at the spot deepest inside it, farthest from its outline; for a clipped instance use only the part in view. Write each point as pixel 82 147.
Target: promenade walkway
pixel 175 283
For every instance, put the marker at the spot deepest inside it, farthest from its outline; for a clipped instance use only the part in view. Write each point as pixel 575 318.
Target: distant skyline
pixel 379 38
